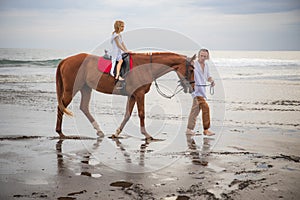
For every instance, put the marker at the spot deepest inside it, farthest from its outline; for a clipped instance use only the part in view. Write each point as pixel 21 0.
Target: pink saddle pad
pixel 104 65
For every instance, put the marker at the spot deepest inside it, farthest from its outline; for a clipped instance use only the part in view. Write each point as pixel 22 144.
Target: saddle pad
pixel 104 65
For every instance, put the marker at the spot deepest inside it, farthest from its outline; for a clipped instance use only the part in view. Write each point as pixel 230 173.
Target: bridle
pixel 187 78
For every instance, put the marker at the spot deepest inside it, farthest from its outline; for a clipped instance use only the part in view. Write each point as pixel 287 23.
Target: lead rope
pixel 211 88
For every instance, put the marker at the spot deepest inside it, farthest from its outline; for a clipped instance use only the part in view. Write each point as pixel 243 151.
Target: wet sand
pixel 246 162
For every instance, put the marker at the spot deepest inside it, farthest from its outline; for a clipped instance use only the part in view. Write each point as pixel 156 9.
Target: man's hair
pixel 204 50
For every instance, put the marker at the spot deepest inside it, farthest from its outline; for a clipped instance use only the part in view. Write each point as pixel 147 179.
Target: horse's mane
pixel 156 53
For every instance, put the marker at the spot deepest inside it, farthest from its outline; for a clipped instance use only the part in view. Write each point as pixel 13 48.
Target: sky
pixel 215 24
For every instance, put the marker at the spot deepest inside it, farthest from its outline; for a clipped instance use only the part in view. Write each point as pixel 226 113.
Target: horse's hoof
pixel 113 136
pixel 149 138
pixel 100 133
pixel 118 131
pixel 61 135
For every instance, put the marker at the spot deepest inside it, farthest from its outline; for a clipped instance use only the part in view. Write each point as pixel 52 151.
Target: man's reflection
pixel 199 157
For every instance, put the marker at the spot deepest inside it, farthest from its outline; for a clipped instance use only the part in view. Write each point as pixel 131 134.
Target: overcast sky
pixel 215 24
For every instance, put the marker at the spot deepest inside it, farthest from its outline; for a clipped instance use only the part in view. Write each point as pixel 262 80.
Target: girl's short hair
pixel 117 26
pixel 204 50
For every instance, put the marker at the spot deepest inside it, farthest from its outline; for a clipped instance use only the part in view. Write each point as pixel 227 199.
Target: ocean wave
pixel 29 63
pixel 250 62
pixel 35 78
pixel 218 62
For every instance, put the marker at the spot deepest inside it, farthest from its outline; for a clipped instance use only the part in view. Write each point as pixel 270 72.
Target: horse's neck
pixel 160 70
pixel 157 64
pixel 164 63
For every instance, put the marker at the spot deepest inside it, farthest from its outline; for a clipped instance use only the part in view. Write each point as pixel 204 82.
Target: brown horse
pixel 80 73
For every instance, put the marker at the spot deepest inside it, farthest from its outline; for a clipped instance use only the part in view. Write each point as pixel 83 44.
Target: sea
pixel 253 88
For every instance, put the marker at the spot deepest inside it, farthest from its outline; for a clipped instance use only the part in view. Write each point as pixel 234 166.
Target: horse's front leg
pixel 140 100
pixel 129 107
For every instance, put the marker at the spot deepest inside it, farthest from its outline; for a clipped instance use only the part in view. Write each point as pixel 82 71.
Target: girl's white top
pixel 116 52
pixel 201 77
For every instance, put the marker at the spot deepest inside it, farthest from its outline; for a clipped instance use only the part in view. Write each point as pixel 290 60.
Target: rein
pixel 176 91
pixel 165 95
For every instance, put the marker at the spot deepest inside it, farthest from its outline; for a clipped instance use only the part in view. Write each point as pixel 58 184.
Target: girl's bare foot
pixel 118 77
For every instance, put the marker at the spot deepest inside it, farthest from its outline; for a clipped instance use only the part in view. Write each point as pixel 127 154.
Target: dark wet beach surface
pixel 45 167
pixel 253 156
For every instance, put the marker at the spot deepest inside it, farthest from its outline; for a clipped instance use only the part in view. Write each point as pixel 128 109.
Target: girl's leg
pixel 118 70
pixel 113 62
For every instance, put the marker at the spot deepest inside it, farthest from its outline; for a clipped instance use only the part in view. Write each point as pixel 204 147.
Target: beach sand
pixel 254 155
pixel 247 162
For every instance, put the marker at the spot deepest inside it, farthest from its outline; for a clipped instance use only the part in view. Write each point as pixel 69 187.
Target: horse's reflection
pixel 85 167
pixel 123 150
pixel 64 169
pixel 126 154
pixel 198 156
pixel 142 153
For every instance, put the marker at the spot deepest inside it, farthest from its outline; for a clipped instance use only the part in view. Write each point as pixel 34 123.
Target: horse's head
pixel 186 74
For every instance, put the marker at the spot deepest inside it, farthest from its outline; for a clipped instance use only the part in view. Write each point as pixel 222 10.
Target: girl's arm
pixel 126 50
pixel 120 45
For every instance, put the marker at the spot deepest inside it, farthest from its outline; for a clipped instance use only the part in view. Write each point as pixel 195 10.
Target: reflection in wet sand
pixel 87 157
pixel 127 155
pixel 199 157
pixel 123 150
pixel 63 169
pixel 142 153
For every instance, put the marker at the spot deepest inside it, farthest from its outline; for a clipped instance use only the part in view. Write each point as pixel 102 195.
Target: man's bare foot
pixel 208 133
pixel 190 132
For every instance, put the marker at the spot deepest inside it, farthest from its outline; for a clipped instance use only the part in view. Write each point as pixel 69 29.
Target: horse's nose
pixel 185 89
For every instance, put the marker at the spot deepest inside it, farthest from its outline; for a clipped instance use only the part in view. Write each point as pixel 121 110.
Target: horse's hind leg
pixel 67 98
pixel 59 122
pixel 84 107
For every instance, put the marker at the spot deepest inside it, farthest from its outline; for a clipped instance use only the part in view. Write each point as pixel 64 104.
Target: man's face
pixel 203 55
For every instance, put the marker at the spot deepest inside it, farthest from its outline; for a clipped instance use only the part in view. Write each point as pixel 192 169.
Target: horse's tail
pixel 60 90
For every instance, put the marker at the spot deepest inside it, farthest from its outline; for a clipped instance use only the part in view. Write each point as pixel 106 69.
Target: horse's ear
pixel 194 57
